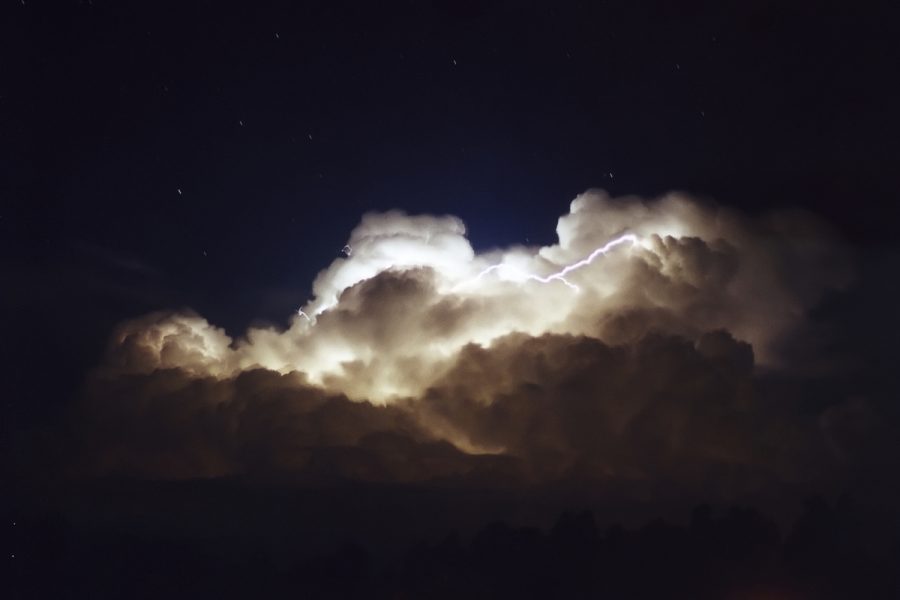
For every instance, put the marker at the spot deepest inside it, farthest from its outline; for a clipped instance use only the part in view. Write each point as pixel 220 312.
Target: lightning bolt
pixel 522 275
pixel 559 275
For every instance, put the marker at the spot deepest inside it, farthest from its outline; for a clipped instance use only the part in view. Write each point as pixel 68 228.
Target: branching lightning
pixel 559 275
pixel 517 274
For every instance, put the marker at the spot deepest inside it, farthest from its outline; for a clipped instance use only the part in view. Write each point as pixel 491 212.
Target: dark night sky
pixel 215 156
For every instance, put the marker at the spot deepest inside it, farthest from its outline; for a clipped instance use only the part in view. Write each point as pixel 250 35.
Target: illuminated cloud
pixel 385 320
pixel 637 363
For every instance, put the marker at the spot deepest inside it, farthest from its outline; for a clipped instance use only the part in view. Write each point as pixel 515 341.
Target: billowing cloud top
pixel 627 348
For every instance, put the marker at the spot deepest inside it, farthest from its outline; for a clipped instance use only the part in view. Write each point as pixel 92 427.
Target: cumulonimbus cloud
pixel 639 361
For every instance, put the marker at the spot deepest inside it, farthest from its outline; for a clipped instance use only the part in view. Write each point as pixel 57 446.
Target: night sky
pixel 191 167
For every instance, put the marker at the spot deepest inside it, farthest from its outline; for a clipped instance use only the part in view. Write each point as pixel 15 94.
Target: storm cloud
pixel 419 358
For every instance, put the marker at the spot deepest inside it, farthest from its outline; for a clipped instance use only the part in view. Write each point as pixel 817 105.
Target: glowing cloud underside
pixel 390 317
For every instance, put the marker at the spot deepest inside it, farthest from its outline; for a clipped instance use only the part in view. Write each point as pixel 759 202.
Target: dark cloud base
pixel 661 411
